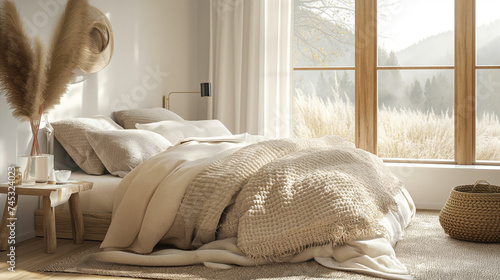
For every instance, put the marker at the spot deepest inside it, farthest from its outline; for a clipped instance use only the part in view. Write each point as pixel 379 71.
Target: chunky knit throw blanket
pixel 279 197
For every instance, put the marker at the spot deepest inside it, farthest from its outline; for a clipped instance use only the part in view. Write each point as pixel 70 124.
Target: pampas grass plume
pixel 16 61
pixel 67 50
pixel 32 81
pixel 36 82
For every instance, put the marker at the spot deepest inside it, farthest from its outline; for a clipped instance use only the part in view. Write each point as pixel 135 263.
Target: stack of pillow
pixel 99 145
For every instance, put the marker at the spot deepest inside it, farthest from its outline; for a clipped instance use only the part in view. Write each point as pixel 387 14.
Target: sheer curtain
pixel 250 65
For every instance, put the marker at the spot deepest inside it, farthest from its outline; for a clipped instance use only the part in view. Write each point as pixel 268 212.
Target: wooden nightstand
pixel 52 195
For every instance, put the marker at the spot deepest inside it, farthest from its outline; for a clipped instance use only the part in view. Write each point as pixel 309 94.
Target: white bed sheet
pixel 100 198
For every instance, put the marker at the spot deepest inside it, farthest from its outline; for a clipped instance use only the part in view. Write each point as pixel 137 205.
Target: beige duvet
pixel 288 200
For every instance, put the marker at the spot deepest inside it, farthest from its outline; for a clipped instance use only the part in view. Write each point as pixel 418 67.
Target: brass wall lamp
pixel 205 91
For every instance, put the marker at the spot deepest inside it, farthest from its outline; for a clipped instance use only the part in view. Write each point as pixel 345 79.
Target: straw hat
pixel 100 49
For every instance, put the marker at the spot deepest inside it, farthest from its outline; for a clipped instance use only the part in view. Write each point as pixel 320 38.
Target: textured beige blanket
pixel 148 198
pixel 280 197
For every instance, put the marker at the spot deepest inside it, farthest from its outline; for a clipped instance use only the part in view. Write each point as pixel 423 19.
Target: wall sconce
pixel 205 91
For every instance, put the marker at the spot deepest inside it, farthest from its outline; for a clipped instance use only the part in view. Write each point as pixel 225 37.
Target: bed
pixel 72 151
pixel 223 199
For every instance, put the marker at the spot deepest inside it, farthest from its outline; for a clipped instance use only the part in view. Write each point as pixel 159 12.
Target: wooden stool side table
pixel 52 196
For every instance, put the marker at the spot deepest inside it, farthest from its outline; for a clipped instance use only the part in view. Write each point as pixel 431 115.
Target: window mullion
pixel 465 107
pixel 366 75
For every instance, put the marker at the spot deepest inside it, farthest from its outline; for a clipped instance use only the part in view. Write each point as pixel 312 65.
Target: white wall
pixel 430 184
pixel 159 46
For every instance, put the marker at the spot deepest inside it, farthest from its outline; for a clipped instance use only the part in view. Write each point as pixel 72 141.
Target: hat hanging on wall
pixel 100 49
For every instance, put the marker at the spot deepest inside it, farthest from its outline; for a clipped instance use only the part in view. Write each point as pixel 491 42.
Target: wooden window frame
pixel 366 68
pixel 365 82
pixel 465 85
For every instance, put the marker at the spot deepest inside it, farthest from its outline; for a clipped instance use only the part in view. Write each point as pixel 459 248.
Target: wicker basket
pixel 472 213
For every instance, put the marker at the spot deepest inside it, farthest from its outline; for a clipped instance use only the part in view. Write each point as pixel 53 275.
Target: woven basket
pixel 472 213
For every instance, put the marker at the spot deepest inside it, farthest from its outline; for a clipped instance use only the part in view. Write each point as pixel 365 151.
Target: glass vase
pixel 33 166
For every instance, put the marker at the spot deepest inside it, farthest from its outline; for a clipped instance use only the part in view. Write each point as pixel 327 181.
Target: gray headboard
pixel 62 160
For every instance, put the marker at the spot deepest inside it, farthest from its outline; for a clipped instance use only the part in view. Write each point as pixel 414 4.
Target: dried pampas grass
pixel 67 50
pixel 36 82
pixel 32 81
pixel 16 61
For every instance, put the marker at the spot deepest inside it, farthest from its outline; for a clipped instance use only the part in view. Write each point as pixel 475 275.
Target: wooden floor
pixel 30 257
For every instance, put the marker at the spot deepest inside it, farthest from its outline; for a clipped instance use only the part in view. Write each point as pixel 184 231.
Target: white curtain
pixel 250 65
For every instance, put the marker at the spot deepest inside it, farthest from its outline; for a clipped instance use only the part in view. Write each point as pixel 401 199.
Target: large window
pixel 400 78
pixel 415 79
pixel 324 68
pixel 487 80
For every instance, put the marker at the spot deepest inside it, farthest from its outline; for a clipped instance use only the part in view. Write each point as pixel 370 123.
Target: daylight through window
pixel 324 68
pixel 414 73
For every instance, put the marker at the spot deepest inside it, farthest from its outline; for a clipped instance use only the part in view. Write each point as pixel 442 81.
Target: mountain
pixel 433 50
pixel 439 49
pixel 335 46
pixel 489 54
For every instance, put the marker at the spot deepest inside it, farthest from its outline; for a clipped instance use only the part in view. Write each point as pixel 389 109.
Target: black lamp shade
pixel 206 90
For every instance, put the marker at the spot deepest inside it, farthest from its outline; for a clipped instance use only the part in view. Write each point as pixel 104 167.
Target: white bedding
pixel 100 198
pixel 374 256
pixel 136 228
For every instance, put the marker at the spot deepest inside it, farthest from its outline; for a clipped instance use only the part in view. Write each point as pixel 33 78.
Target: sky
pixel 413 20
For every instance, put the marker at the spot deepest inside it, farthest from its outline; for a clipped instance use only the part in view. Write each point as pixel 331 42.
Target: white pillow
pixel 175 131
pixel 122 150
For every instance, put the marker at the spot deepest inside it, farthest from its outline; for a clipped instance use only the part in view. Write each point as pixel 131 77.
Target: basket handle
pixel 481 182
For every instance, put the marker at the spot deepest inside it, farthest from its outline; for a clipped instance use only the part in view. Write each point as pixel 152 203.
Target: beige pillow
pixel 71 134
pixel 175 131
pixel 128 118
pixel 122 150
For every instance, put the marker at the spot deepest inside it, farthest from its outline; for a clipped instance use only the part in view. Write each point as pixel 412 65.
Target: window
pixel 415 79
pixel 487 80
pixel 406 65
pixel 324 68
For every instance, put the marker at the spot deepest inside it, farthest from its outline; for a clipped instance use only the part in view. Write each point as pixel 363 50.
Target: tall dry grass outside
pixel 488 137
pixel 414 134
pixel 314 118
pixel 402 133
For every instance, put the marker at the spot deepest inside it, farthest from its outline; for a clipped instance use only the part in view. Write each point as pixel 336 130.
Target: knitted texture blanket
pixel 280 197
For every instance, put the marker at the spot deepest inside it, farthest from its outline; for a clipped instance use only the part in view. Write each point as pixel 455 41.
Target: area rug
pixel 78 263
pixel 425 249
